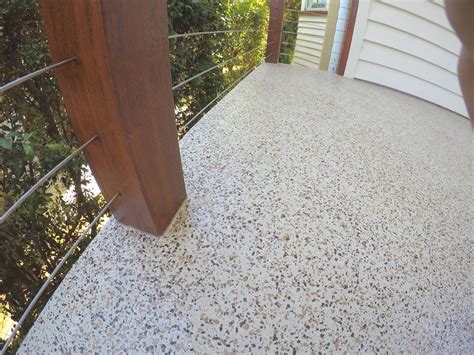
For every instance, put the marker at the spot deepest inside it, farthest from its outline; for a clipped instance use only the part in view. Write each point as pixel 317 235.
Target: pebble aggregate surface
pixel 323 215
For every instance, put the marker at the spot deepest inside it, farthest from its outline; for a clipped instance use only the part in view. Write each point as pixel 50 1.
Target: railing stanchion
pixel 277 9
pixel 121 89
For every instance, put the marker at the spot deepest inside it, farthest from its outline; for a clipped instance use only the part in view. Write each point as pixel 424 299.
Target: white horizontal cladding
pixel 439 3
pixel 301 42
pixel 310 39
pixel 319 19
pixel 398 18
pixel 307 54
pixel 425 9
pixel 412 85
pixel 410 46
pixel 307 30
pixel 409 64
pixel 313 63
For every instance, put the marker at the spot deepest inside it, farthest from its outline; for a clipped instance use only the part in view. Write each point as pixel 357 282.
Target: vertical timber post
pixel 275 27
pixel 120 89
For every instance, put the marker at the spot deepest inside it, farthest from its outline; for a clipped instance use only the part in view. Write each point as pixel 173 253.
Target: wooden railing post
pixel 120 89
pixel 277 10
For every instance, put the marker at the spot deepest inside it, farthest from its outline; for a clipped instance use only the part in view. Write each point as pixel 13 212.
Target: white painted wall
pixel 410 46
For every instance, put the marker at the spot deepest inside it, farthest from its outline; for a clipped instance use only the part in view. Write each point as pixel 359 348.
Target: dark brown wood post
pixel 120 88
pixel 277 10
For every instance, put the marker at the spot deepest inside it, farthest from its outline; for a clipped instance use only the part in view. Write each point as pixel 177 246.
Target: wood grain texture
pixel 277 9
pixel 121 89
pixel 348 38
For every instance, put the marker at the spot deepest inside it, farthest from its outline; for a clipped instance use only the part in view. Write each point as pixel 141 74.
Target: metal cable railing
pixel 79 150
pixel 181 35
pixel 45 178
pixel 36 73
pixel 177 86
pixel 31 190
pixel 55 271
pixel 235 82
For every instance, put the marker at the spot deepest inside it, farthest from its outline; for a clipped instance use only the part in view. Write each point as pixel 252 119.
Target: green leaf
pixel 54 146
pixel 14 134
pixel 6 143
pixel 29 151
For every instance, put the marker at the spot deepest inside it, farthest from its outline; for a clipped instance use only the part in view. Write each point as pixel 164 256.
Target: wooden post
pixel 120 88
pixel 277 10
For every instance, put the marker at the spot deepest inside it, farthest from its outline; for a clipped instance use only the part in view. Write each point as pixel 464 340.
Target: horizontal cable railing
pixel 181 35
pixel 19 202
pixel 45 178
pixel 235 82
pixel 177 86
pixel 36 73
pixel 55 271
pixel 38 184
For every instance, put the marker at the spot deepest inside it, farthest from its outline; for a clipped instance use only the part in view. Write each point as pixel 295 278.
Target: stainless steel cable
pixel 53 274
pixel 177 86
pixel 292 33
pixel 224 91
pixel 36 73
pixel 291 10
pixel 180 35
pixel 41 181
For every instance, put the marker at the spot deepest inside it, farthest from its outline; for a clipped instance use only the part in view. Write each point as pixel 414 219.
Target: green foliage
pixel 289 49
pixel 192 55
pixel 35 132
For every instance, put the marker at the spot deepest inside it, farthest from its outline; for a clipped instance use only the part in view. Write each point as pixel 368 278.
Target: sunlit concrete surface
pixel 323 214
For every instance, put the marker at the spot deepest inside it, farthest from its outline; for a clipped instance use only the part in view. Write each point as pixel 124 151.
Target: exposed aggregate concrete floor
pixel 323 214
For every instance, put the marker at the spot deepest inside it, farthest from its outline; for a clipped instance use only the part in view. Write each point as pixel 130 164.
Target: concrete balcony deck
pixel 323 214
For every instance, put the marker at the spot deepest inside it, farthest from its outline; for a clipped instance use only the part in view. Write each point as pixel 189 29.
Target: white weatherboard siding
pixel 309 41
pixel 410 46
